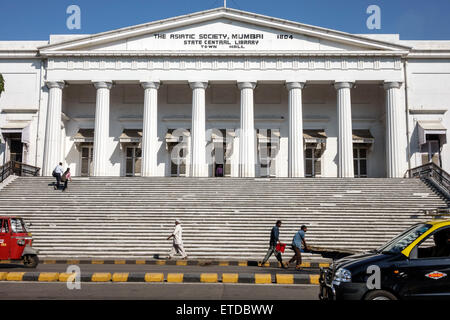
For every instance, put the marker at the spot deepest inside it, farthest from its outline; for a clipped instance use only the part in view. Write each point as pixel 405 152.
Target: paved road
pixel 156 268
pixel 156 291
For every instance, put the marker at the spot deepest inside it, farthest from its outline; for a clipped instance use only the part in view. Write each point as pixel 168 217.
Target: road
pixel 156 291
pixel 155 268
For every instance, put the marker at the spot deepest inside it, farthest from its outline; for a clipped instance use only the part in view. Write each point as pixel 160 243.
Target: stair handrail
pixel 18 168
pixel 433 173
pixel 5 171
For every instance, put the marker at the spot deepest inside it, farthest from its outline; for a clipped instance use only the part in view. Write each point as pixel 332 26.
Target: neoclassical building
pixel 225 92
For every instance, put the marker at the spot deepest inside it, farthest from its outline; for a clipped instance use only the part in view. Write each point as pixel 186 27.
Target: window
pixel 313 163
pixel 400 242
pixel 431 150
pixel 360 161
pixel 18 226
pixel 436 245
pixel 4 228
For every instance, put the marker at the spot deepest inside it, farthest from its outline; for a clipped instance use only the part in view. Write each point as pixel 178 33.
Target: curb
pixel 120 277
pixel 222 263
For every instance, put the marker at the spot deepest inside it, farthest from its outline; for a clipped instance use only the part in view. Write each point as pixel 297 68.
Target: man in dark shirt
pixel 274 239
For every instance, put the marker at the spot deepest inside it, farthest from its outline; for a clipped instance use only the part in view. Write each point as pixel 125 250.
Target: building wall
pixel 20 103
pixel 223 112
pixel 429 92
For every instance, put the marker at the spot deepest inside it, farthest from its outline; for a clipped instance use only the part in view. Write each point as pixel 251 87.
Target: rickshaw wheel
pixel 30 261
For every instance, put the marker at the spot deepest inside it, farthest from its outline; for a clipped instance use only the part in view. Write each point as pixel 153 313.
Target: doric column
pixel 247 131
pixel 52 143
pixel 101 134
pixel 150 129
pixel 198 132
pixel 395 151
pixel 296 160
pixel 345 136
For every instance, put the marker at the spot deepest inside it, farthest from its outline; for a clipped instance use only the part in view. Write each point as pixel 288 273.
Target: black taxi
pixel 413 265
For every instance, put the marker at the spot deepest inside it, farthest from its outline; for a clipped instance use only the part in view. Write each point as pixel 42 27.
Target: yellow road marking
pixel 73 261
pixel 119 261
pixel 49 261
pixel 314 278
pixel 15 276
pixel 64 277
pixel 263 278
pixel 324 265
pixel 101 277
pixel 175 277
pixel 285 278
pixel 267 264
pixel 230 277
pixel 3 276
pixel 209 277
pixel 305 265
pixel 154 277
pixel 120 277
pixel 97 262
pixel 161 262
pixel 224 263
pixel 182 263
pixel 48 276
pixel 140 261
pixel 242 263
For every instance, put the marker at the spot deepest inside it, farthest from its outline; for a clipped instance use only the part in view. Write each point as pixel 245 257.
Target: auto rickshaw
pixel 16 242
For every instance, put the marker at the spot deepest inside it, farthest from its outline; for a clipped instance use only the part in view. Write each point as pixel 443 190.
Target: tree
pixel 2 84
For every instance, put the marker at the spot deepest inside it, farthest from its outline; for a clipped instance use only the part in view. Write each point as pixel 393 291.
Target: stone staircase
pixel 228 218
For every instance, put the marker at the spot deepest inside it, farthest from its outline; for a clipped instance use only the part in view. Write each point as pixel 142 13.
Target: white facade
pixel 335 104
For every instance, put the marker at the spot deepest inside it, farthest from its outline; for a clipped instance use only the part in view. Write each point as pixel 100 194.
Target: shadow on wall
pixel 73 160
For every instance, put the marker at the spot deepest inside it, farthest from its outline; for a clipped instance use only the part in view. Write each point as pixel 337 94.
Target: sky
pixel 412 19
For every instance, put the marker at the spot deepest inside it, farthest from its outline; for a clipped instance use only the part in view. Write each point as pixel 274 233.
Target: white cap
pixel 177 220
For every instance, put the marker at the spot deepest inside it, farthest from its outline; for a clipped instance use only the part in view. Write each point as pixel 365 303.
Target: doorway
pixel 87 156
pixel 133 161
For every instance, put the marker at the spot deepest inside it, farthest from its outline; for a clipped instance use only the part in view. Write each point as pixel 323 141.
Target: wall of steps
pixel 221 218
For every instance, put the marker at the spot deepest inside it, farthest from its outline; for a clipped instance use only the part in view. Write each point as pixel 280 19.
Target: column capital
pixel 198 84
pixel 392 84
pixel 102 84
pixel 150 84
pixel 246 85
pixel 55 84
pixel 343 85
pixel 295 85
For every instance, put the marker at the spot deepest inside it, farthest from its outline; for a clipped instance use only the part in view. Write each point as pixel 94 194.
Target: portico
pixel 288 104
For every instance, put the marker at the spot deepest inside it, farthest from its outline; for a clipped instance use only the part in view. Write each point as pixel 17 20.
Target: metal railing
pixel 433 174
pixel 19 169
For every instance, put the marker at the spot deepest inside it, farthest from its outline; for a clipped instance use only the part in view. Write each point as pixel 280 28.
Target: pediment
pixel 222 30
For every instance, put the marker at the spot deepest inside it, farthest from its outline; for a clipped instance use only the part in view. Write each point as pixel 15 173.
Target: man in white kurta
pixel 177 241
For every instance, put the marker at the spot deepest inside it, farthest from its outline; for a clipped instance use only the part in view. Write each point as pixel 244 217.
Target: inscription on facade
pixel 220 40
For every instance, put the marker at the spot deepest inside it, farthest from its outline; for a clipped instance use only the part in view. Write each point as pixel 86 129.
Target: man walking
pixel 57 173
pixel 177 241
pixel 299 238
pixel 274 239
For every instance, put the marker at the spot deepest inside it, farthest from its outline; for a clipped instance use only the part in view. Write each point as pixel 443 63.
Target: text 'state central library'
pixel 226 93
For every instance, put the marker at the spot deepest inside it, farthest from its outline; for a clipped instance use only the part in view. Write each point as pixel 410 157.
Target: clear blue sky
pixel 412 19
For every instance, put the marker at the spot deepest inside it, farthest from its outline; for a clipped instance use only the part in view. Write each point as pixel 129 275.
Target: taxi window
pixel 399 243
pixel 4 226
pixel 17 226
pixel 436 245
